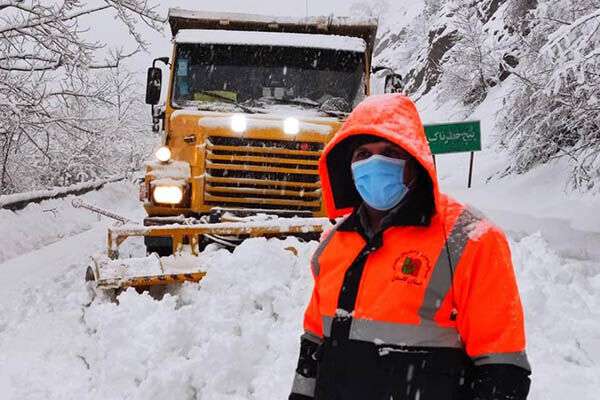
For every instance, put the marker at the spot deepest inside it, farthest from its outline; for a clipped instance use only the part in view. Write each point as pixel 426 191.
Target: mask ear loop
pixel 413 182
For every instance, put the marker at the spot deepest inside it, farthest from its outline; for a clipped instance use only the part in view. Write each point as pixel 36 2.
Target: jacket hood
pixel 392 117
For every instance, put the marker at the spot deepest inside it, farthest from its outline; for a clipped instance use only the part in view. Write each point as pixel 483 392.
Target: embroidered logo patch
pixel 411 267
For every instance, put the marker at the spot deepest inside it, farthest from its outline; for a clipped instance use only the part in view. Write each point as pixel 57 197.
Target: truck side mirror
pixel 153 85
pixel 393 83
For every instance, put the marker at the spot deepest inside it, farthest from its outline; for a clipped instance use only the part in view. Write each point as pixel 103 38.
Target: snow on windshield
pixel 303 40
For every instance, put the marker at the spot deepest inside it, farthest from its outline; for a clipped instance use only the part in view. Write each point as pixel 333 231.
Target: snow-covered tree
pixel 373 8
pixel 117 141
pixel 554 110
pixel 53 97
pixel 471 67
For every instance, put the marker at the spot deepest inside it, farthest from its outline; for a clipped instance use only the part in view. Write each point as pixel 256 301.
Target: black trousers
pixel 354 370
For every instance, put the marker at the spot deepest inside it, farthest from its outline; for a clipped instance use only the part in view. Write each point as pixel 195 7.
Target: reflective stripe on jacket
pixel 417 291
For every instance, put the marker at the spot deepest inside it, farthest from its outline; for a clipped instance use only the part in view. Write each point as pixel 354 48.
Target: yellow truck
pixel 250 103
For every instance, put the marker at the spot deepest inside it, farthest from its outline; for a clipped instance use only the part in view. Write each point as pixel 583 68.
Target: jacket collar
pixel 407 213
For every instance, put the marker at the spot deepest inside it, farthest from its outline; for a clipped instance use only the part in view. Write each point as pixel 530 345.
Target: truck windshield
pixel 256 75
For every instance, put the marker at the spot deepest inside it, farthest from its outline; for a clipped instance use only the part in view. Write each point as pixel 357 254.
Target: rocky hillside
pixel 542 52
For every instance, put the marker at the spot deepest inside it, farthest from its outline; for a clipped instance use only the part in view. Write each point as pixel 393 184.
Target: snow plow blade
pixel 118 274
pixel 110 272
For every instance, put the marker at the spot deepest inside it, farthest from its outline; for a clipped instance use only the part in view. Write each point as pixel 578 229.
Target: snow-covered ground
pixel 235 335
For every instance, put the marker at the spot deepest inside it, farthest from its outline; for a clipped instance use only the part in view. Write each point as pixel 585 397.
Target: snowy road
pixel 42 336
pixel 235 337
pixel 53 261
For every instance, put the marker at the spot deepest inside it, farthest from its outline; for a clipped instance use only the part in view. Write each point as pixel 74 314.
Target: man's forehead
pixel 384 144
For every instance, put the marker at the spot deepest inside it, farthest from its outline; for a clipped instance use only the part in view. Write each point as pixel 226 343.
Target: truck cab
pixel 249 105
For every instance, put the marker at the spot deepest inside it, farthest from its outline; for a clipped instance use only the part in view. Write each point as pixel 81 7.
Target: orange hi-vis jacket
pixel 447 283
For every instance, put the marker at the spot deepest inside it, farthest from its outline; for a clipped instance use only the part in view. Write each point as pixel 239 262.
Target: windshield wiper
pixel 227 100
pixel 313 104
pixel 296 102
pixel 337 114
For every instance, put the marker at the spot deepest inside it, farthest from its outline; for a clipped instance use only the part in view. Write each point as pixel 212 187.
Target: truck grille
pixel 265 174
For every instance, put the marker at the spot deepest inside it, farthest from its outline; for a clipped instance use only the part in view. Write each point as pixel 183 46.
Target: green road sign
pixel 454 137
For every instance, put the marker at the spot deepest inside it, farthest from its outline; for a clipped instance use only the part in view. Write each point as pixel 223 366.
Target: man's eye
pixel 362 155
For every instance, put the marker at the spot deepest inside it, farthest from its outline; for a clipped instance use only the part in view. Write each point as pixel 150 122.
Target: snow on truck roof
pixel 283 39
pixel 197 14
pixel 363 28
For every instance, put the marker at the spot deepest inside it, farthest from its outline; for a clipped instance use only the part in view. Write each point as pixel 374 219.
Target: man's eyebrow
pixel 396 148
pixel 360 148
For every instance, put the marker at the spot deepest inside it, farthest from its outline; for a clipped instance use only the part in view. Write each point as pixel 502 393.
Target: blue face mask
pixel 380 181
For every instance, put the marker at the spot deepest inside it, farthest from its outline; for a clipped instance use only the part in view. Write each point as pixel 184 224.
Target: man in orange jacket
pixel 415 295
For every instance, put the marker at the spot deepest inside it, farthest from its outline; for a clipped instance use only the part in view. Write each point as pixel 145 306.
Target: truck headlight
pixel 167 194
pixel 239 123
pixel 163 154
pixel 291 126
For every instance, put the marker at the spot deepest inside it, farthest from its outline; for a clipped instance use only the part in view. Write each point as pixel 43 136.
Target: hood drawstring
pixel 454 312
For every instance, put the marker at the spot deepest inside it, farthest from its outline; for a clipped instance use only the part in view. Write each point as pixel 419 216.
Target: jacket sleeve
pixel 490 316
pixel 305 378
pixel 500 382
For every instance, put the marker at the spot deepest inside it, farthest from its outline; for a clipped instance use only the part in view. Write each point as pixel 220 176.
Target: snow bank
pixel 232 337
pixel 282 39
pixel 38 225
pixel 562 302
